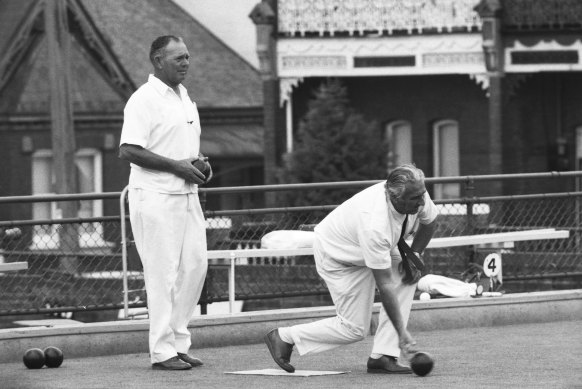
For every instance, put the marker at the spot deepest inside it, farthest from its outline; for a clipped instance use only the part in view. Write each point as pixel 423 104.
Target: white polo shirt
pixel 365 229
pixel 159 120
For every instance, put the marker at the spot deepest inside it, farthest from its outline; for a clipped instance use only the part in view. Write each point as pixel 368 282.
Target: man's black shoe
pixel 280 350
pixel 387 365
pixel 194 362
pixel 173 363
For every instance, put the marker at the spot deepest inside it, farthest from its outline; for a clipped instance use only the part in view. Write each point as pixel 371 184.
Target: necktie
pixel 412 265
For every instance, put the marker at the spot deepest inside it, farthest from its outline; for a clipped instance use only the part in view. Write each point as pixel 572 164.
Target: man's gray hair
pixel 400 176
pixel 159 45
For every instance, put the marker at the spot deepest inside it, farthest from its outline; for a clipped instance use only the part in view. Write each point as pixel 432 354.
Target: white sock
pixel 376 356
pixel 285 334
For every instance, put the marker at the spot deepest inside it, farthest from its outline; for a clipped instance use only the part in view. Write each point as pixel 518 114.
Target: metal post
pixel 204 295
pixel 124 252
pixel 578 213
pixel 231 281
pixel 470 221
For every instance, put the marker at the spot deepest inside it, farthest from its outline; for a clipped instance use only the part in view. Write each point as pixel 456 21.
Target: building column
pixel 495 124
pixel 62 129
pixel 490 13
pixel 286 100
pixel 264 16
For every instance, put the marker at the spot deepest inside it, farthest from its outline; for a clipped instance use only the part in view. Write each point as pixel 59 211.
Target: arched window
pixel 446 157
pixel 398 135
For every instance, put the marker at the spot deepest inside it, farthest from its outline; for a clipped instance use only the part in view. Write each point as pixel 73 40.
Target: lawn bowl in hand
pixel 201 165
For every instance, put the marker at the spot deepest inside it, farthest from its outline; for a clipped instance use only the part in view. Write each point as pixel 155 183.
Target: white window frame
pixel 44 237
pixel 395 144
pixel 452 190
pixel 90 234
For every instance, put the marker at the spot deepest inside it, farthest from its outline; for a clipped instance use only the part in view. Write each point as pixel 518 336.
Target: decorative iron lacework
pixel 384 17
pixel 542 14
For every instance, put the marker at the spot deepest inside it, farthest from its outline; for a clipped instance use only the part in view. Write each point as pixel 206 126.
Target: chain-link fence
pixel 527 265
pixel 75 265
pixel 72 265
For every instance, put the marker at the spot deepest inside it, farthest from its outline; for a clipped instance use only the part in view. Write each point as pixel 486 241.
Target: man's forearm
pixel 387 287
pixel 146 159
pixel 423 236
pixel 149 160
pixel 391 306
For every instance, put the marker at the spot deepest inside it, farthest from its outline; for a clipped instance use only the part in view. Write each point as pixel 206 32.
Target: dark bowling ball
pixel 421 363
pixel 53 356
pixel 202 166
pixel 34 358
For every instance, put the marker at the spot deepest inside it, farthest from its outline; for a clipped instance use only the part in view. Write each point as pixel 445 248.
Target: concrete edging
pixel 123 337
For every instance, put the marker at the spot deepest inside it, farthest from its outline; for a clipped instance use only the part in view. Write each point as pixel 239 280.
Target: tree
pixel 333 143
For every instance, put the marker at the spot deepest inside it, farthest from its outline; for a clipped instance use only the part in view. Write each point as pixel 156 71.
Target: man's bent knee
pixel 353 333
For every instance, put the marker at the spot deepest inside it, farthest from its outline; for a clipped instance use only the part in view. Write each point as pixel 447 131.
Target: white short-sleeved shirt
pixel 365 229
pixel 159 120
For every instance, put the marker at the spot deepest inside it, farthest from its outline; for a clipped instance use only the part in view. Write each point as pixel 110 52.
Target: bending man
pixel 356 250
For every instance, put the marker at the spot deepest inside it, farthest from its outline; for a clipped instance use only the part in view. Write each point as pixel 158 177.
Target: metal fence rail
pixel 76 264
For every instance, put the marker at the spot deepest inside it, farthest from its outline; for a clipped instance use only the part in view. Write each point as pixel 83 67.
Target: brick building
pixel 462 87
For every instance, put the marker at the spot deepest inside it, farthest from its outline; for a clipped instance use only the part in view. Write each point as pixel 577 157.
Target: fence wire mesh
pixel 75 265
pixel 71 266
pixel 528 265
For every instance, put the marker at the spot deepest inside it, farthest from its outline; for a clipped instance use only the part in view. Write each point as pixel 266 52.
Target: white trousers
pixel 352 289
pixel 170 237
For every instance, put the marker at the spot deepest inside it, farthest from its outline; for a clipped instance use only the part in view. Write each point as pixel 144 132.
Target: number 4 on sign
pixel 492 267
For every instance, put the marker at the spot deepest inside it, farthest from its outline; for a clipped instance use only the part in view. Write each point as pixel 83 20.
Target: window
pixel 399 137
pixel 43 183
pixel 89 180
pixel 446 157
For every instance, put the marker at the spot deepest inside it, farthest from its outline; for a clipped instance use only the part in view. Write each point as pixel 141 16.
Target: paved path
pixel 547 355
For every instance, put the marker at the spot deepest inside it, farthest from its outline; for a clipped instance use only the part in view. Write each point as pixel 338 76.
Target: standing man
pixel 161 140
pixel 356 250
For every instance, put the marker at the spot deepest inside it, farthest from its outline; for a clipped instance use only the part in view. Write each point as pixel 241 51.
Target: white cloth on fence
pixel 432 283
pixel 287 239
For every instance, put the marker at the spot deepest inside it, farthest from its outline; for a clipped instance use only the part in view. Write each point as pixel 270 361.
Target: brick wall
pixel 537 109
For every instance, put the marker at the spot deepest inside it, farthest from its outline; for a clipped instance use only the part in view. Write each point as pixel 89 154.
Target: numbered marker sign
pixel 492 265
